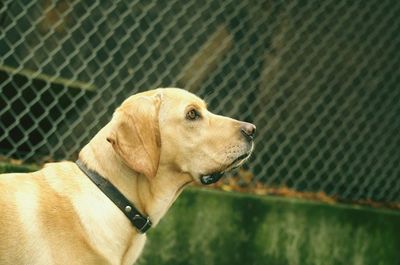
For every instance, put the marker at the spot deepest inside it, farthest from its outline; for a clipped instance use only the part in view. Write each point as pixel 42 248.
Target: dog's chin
pixel 214 177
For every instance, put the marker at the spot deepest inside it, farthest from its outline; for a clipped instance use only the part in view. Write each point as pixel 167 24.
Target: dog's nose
pixel 248 130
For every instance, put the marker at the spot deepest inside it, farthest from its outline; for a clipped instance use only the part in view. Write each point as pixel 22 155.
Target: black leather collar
pixel 139 221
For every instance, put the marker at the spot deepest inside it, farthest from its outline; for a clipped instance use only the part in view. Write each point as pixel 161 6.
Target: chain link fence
pixel 320 79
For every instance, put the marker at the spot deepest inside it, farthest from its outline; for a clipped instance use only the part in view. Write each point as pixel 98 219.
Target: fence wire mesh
pixel 320 79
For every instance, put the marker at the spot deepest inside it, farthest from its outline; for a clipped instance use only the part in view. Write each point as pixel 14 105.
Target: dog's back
pixel 38 223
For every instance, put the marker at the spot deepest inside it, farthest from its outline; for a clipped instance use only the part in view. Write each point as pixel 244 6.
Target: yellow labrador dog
pixel 95 211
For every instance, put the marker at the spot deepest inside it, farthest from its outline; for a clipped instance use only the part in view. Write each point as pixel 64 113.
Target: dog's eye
pixel 192 115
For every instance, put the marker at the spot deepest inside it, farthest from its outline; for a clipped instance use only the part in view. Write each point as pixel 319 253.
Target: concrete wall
pixel 215 228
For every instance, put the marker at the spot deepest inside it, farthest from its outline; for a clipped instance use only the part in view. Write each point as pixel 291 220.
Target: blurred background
pixel 320 79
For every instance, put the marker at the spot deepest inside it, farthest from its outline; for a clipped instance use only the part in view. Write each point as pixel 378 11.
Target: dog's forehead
pixel 177 97
pixel 183 97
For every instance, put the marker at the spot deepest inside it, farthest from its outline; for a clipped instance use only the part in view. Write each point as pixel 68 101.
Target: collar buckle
pixel 141 223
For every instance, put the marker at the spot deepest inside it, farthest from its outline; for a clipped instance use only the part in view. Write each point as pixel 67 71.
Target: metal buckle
pixel 143 225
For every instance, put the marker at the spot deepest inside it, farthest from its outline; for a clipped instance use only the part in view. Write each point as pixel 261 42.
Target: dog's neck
pixel 151 197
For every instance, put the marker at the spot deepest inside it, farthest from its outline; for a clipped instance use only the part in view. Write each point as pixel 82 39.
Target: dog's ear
pixel 135 134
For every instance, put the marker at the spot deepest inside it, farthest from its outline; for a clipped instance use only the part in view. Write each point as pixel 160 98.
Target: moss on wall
pixel 215 228
pixel 8 167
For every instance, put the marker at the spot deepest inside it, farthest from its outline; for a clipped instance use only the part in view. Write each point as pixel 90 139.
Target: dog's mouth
pixel 214 177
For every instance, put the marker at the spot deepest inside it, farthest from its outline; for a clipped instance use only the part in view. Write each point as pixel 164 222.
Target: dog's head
pixel 172 127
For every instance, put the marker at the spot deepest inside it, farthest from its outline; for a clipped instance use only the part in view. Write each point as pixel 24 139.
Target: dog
pixel 156 143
